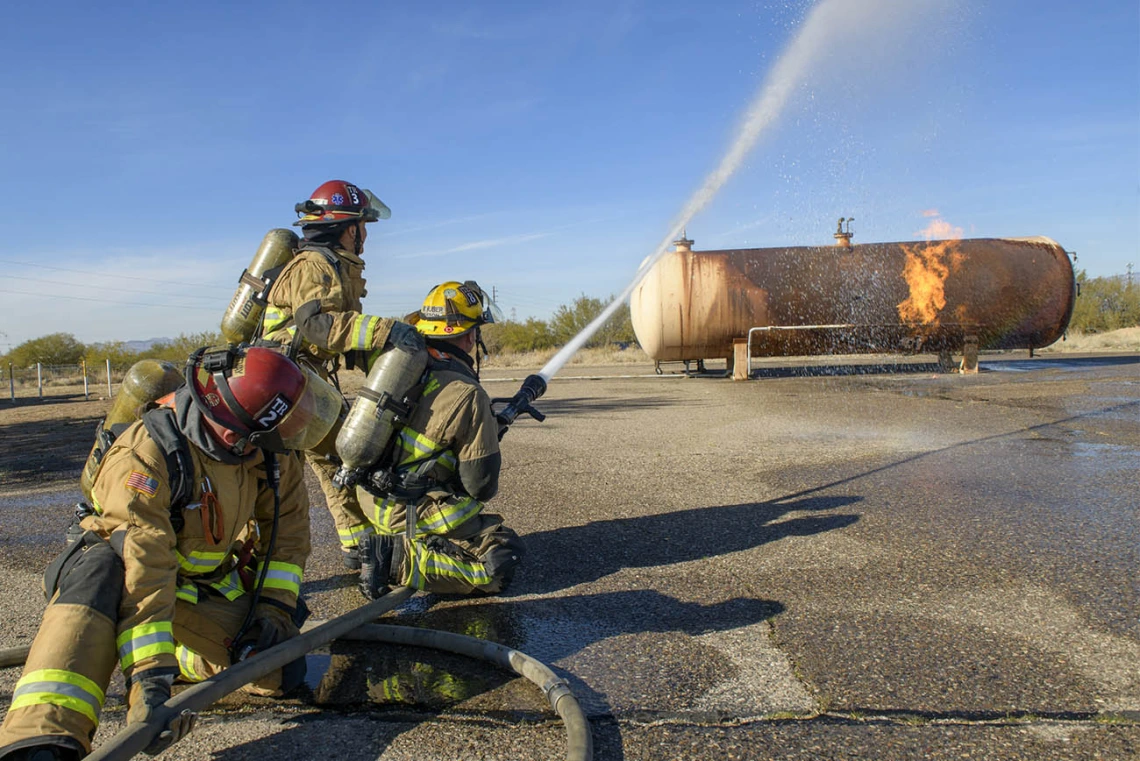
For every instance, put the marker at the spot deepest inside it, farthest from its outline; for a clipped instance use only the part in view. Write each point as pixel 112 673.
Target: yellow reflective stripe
pixel 230 586
pixel 448 461
pixel 351 536
pixel 143 641
pixel 363 331
pixel 79 705
pixel 187 592
pixel 96 506
pixel 383 516
pixel 66 689
pixel 416 446
pixel 186 658
pixel 272 320
pixel 449 516
pixel 438 564
pixel 200 561
pixel 432 384
pixel 281 575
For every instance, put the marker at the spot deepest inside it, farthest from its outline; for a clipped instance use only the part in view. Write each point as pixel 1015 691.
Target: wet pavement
pixel 847 560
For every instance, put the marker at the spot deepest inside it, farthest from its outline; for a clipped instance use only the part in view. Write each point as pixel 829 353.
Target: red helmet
pixel 266 399
pixel 337 201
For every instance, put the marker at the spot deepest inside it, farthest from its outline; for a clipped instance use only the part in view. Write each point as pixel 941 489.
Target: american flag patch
pixel 142 483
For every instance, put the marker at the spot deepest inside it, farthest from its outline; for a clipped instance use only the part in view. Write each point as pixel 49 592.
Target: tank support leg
pixel 969 364
pixel 946 362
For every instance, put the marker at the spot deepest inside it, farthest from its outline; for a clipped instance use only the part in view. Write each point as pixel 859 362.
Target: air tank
pixel 380 406
pixel 146 381
pixel 248 304
pixel 1007 293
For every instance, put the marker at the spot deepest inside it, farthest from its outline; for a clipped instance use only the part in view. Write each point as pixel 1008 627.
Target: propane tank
pixel 146 381
pixel 380 407
pixel 248 304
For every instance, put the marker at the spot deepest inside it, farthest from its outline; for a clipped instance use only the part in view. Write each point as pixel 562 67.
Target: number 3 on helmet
pixel 336 202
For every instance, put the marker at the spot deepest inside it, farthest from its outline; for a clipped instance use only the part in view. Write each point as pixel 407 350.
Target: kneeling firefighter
pixel 443 466
pixel 192 558
pixel 314 307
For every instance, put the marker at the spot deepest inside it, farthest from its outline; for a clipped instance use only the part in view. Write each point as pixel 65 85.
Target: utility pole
pixel 1130 276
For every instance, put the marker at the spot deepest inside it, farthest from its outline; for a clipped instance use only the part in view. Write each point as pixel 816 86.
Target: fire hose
pixel 351 626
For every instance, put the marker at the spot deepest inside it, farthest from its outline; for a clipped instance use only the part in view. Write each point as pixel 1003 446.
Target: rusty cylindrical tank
pixel 1014 293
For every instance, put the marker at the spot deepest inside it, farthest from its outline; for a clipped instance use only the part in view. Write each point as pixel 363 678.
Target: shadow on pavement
pixel 579 554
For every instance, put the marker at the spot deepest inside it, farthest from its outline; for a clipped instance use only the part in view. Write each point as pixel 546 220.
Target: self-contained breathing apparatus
pixel 243 317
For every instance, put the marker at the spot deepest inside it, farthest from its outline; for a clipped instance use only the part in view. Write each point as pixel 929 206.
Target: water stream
pixel 824 27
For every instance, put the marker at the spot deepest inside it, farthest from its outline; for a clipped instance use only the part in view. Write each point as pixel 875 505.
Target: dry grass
pixel 631 356
pixel 1125 339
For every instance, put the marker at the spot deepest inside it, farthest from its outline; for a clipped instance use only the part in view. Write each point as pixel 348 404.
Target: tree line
pixel 1105 303
pixel 509 336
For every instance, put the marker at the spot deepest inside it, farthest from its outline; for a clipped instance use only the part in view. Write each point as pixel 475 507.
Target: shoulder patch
pixel 142 483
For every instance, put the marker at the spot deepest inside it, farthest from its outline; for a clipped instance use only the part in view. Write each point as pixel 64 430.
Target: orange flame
pixel 925 271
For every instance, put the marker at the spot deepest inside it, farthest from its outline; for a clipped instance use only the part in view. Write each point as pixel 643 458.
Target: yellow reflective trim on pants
pixel 58 687
pixel 381 516
pixel 186 658
pixel 449 517
pixel 143 641
pixel 187 592
pixel 229 587
pixel 200 561
pixel 351 536
pixel 425 564
pixel 438 564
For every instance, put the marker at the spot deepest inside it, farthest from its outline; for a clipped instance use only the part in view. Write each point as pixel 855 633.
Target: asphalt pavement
pixel 838 561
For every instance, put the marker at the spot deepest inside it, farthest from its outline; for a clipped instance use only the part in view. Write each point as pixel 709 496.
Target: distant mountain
pixel 144 345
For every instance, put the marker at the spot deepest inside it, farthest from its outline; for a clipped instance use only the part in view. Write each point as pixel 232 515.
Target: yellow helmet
pixel 453 308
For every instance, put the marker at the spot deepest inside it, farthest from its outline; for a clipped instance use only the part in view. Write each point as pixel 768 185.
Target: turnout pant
pixel 351 525
pixel 456 549
pixel 60 695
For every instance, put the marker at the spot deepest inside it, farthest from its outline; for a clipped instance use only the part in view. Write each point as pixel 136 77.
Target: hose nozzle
pixel 532 387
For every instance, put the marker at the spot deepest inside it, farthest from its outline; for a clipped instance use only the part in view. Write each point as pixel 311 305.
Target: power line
pixel 110 288
pixel 111 301
pixel 104 274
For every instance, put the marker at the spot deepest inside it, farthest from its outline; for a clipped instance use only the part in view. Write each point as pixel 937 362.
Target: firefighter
pixel 447 465
pixel 191 559
pixel 314 306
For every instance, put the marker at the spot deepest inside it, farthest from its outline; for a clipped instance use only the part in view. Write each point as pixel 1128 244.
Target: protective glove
pixel 376 565
pixel 405 337
pixel 146 696
pixel 273 625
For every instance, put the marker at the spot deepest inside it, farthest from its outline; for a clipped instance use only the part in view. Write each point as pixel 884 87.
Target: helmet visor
pixel 313 416
pixel 376 209
pixel 491 311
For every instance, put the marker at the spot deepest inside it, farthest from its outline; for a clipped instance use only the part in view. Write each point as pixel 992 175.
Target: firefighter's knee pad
pixel 87 573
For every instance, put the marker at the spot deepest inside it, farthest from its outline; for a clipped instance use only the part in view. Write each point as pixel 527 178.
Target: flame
pixel 925 271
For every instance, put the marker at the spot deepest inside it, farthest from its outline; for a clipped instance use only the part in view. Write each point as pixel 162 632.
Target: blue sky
pixel 542 149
